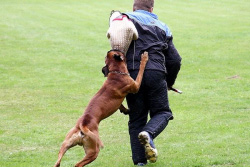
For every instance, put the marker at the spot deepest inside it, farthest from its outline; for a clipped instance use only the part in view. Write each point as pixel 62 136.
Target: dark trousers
pixel 151 99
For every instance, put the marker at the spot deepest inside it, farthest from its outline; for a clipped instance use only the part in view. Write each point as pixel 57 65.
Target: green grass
pixel 51 55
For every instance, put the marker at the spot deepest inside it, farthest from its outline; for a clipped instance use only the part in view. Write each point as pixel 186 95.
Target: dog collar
pixel 119 72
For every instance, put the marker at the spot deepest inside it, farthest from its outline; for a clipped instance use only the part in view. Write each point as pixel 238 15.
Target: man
pixel 161 71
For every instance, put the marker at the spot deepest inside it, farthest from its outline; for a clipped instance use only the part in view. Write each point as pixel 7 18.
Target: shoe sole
pixel 151 153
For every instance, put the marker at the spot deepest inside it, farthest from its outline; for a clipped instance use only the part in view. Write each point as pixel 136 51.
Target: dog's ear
pixel 105 71
pixel 118 57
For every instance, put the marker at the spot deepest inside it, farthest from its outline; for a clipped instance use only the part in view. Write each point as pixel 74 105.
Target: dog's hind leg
pixel 91 151
pixel 91 146
pixel 70 141
pixel 90 156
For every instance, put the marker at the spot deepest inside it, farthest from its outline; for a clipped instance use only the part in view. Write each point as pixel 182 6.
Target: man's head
pixel 143 5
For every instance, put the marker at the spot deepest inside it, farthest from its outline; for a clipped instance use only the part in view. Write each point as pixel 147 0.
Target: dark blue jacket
pixel 153 38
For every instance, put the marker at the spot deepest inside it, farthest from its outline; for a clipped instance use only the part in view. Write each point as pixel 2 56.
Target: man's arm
pixel 172 62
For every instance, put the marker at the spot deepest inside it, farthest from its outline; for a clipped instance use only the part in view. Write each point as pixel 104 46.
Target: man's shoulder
pixel 149 19
pixel 138 16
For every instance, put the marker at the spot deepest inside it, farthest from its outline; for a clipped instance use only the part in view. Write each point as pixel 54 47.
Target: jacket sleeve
pixel 172 62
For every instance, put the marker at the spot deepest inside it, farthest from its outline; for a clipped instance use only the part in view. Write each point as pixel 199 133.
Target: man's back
pixel 153 36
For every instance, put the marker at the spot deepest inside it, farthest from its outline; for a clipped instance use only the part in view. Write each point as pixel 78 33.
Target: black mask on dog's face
pixel 105 71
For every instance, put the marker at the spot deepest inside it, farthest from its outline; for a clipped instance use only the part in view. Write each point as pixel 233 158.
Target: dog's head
pixel 113 60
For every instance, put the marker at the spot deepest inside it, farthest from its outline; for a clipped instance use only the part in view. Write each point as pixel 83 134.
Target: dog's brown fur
pixel 105 102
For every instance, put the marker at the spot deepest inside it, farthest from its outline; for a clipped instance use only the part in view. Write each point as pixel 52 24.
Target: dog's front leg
pixel 123 110
pixel 137 83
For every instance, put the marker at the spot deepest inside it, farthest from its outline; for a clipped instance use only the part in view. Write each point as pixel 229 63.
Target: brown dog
pixel 105 102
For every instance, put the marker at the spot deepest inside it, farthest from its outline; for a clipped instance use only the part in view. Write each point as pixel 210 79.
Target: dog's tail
pixel 85 130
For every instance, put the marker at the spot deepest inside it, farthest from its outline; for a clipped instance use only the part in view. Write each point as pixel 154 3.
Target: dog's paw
pixel 125 111
pixel 144 56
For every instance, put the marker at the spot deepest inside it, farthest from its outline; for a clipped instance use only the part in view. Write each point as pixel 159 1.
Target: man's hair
pixel 143 4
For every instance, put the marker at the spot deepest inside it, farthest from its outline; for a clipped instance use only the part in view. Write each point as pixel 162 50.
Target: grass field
pixel 51 55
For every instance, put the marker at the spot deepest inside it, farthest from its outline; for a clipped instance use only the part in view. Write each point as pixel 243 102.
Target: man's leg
pixel 137 120
pixel 157 96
